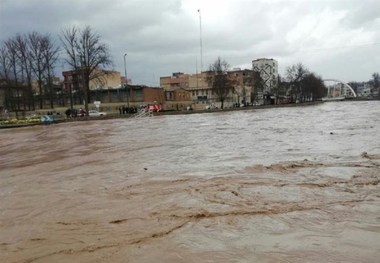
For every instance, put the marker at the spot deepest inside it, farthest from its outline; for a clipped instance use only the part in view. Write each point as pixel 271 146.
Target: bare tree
pixel 257 84
pixel 37 63
pixel 5 64
pixel 25 58
pixel 50 57
pixel 219 81
pixel 21 77
pixel 278 88
pixel 5 74
pixel 10 53
pixel 86 54
pixel 294 75
pixel 376 82
pixel 314 87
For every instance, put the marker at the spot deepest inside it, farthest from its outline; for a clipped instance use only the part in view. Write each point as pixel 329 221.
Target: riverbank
pixel 61 118
pixel 258 107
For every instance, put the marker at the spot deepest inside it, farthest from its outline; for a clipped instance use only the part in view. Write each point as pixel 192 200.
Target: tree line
pixel 299 84
pixel 23 59
pixel 303 85
pixel 33 57
pixel 374 83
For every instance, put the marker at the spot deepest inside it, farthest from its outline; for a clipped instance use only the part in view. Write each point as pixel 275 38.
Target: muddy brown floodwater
pixel 274 185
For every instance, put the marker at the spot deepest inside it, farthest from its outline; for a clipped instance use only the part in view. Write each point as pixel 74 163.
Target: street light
pixel 200 37
pixel 126 79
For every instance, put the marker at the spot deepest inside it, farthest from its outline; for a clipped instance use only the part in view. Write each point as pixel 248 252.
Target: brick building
pixel 177 99
pixel 200 91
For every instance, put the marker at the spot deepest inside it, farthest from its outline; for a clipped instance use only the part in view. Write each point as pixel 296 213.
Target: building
pixel 182 90
pixel 135 94
pixel 177 80
pixel 106 79
pixel 243 85
pixel 177 99
pixel 199 88
pixel 200 92
pixel 140 94
pixel 364 90
pixel 101 79
pixel 268 69
pixel 73 84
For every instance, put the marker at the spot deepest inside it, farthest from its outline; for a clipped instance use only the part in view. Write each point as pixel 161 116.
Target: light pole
pixel 200 38
pixel 126 79
pixel 84 83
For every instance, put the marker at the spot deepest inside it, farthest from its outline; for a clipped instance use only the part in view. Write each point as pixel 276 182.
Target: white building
pixel 268 69
pixel 364 90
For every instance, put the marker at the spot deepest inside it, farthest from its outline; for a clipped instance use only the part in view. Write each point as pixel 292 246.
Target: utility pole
pixel 200 37
pixel 85 82
pixel 126 79
pixel 196 70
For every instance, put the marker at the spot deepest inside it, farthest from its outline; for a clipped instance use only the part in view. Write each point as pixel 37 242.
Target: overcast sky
pixel 334 38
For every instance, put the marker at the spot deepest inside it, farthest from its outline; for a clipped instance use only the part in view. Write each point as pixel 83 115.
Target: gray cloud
pixel 334 38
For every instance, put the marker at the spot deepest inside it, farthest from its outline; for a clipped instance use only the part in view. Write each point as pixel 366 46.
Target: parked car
pixel 95 113
pixel 210 107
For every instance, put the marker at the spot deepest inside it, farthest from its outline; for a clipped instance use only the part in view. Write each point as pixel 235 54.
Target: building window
pixel 138 93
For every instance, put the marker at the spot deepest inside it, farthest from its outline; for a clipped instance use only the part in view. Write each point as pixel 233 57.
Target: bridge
pixel 344 84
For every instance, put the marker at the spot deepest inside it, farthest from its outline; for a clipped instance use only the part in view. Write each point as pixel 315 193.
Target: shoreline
pixel 240 108
pixel 127 116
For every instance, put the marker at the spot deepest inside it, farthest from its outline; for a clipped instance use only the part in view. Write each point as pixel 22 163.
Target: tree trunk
pixel 86 94
pixel 41 98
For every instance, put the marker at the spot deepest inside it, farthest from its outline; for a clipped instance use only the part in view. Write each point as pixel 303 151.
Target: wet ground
pixel 276 185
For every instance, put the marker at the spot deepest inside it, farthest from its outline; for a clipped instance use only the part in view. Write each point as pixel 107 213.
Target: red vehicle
pixel 153 107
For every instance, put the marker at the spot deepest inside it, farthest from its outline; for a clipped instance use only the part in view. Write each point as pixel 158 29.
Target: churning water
pixel 295 184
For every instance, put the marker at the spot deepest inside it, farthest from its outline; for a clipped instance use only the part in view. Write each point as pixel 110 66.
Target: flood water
pixel 297 184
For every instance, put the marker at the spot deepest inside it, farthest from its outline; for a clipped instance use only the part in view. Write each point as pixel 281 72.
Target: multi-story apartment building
pixel 268 69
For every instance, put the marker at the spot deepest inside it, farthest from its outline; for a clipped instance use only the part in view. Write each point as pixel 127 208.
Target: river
pixel 297 184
